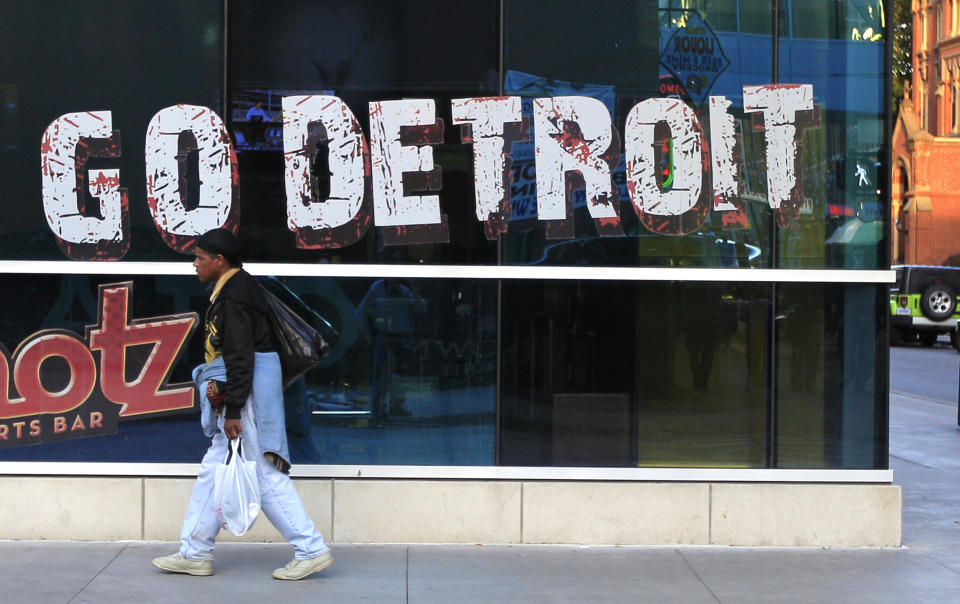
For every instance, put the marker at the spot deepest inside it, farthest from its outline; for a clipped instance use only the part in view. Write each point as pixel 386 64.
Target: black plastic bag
pixel 299 306
pixel 300 346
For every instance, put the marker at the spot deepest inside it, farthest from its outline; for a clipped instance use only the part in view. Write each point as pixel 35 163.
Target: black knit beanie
pixel 221 241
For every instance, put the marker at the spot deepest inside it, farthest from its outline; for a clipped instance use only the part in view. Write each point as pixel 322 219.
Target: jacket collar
pixel 222 281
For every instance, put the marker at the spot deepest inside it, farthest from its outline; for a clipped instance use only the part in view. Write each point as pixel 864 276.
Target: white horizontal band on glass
pixel 54 468
pixel 452 271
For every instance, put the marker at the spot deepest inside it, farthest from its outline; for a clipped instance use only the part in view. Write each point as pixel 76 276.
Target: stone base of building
pixel 490 512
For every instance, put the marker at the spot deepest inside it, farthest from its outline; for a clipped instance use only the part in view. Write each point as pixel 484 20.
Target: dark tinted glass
pixel 648 50
pixel 410 379
pixel 94 430
pixel 650 374
pixel 360 52
pixel 832 376
pixel 755 16
pixel 131 58
pixel 592 374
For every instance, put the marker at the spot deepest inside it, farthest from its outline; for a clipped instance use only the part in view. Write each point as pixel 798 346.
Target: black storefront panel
pixel 465 370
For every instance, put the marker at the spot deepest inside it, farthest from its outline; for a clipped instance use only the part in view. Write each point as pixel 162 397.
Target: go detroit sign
pixel 372 183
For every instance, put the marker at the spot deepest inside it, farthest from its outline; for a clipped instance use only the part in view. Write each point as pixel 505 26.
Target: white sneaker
pixel 178 564
pixel 298 569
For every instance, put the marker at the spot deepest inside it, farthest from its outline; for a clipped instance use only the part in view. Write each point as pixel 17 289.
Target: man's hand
pixel 232 428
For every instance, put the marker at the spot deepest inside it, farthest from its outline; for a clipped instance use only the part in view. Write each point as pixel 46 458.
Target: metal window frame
pixel 484 473
pixel 456 271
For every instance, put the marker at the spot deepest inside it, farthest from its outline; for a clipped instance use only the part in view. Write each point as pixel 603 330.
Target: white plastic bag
pixel 236 494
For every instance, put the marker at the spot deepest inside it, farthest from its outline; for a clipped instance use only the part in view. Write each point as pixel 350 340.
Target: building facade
pixel 926 142
pixel 606 272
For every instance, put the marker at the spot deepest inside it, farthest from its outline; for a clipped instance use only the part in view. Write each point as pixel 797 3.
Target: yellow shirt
pixel 211 352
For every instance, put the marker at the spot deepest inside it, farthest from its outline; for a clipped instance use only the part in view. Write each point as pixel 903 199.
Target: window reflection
pixel 842 224
pixel 360 52
pixel 651 374
pixel 411 376
pixel 604 374
pixel 831 376
pixel 637 60
pixel 176 42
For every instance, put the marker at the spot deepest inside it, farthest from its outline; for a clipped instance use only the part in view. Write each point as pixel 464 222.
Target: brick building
pixel 926 142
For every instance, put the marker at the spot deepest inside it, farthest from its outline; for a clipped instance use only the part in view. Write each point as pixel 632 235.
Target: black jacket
pixel 237 326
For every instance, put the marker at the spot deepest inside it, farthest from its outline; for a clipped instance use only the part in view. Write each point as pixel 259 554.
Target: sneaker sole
pixel 183 571
pixel 325 566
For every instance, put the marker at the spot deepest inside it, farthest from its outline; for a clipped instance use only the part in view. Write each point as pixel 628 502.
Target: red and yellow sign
pixel 58 386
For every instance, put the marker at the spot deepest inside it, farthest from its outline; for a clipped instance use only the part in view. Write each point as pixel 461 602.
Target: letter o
pixel 26 372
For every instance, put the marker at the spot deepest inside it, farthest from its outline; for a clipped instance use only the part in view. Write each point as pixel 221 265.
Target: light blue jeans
pixel 279 500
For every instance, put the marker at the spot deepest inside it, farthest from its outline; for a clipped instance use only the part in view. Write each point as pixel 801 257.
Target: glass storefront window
pixel 410 378
pixel 677 374
pixel 69 307
pixel 60 58
pixel 370 57
pixel 361 53
pixel 831 380
pixel 621 70
pixel 646 374
pixel 844 219
pixel 465 370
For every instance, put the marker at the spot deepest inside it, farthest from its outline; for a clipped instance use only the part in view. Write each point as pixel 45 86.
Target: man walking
pixel 242 397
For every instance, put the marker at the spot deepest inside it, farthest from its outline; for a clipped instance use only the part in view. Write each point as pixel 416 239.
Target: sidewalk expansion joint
pixel 696 574
pixel 100 572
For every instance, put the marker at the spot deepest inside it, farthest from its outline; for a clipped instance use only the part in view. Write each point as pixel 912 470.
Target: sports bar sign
pixel 88 392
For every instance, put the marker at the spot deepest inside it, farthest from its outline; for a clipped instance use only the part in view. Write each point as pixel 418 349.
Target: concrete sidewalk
pixel 925 456
pixel 121 572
